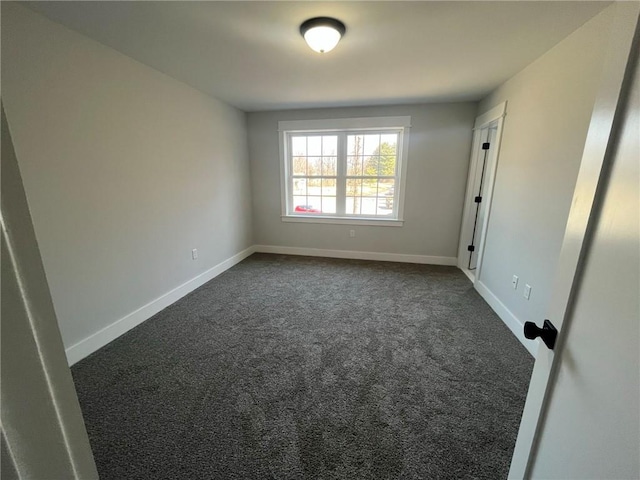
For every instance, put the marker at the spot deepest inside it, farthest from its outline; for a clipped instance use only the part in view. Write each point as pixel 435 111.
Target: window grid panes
pixel 314 164
pixel 371 174
pixel 347 174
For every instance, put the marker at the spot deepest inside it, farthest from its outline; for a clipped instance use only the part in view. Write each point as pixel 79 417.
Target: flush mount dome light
pixel 322 34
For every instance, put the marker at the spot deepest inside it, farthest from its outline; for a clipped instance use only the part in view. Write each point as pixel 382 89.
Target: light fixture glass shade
pixel 322 39
pixel 322 34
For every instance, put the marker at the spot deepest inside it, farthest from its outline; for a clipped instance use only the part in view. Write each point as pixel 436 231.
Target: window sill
pixel 377 222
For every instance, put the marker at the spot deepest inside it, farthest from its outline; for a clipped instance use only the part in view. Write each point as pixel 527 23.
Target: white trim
pixel 94 342
pixel 468 273
pixel 357 255
pixel 402 160
pixel 494 116
pixel 109 333
pixel 282 159
pixel 340 127
pixel 377 222
pixel 509 319
pixel 344 124
pixel 491 181
pixel 486 118
pixel 36 336
pixel 467 209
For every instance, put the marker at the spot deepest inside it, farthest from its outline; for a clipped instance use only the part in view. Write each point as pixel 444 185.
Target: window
pixel 345 170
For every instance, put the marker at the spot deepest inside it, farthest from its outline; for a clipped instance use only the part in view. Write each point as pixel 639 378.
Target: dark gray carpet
pixel 306 368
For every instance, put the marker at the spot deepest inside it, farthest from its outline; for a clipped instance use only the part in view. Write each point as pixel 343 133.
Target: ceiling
pixel 251 54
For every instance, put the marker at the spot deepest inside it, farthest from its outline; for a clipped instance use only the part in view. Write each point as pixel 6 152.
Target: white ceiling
pixel 251 54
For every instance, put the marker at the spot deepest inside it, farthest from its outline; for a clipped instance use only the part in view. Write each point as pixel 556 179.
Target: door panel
pixel 594 408
pixel 586 205
pixel 481 189
pixel 488 128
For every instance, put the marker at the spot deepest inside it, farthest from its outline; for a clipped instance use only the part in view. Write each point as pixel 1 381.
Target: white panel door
pixel 485 164
pixel 594 409
pixel 598 156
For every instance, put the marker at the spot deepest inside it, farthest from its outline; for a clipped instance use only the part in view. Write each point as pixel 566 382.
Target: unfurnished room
pixel 320 240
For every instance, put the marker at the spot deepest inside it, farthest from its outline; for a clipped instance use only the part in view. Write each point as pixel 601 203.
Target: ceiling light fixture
pixel 322 34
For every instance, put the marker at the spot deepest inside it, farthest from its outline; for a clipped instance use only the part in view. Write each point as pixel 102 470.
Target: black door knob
pixel 547 333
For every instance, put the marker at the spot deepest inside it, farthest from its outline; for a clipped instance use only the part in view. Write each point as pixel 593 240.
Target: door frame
pixel 590 186
pixel 493 116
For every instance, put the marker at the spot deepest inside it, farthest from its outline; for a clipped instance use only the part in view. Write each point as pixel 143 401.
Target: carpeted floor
pixel 307 368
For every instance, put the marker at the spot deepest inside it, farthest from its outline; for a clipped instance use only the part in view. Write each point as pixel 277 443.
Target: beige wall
pixel 548 113
pixel 125 171
pixel 440 142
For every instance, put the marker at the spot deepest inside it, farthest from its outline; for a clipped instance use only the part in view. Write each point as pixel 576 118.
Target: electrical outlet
pixel 352 233
pixel 514 282
pixel 194 253
pixel 527 291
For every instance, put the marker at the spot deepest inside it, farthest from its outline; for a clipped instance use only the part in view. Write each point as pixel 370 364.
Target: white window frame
pixel 343 126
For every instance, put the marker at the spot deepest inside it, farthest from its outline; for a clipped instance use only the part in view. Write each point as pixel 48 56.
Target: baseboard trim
pixel 109 333
pixel 86 347
pixel 509 319
pixel 357 255
pixel 94 342
pixel 469 275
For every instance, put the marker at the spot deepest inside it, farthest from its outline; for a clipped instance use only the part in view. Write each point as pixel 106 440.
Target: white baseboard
pixel 469 275
pixel 109 333
pixel 509 319
pixel 102 337
pixel 99 339
pixel 356 255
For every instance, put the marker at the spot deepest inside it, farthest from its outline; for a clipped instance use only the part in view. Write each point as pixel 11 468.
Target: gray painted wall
pixel 548 113
pixel 37 393
pixel 125 170
pixel 440 142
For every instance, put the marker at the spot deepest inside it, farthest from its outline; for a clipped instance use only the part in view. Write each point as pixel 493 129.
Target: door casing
pixel 494 118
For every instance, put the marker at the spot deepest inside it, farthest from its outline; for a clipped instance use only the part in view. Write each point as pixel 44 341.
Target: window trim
pixel 345 125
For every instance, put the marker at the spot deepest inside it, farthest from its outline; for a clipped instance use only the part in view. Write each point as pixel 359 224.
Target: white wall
pixel 548 113
pixel 125 171
pixel 438 160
